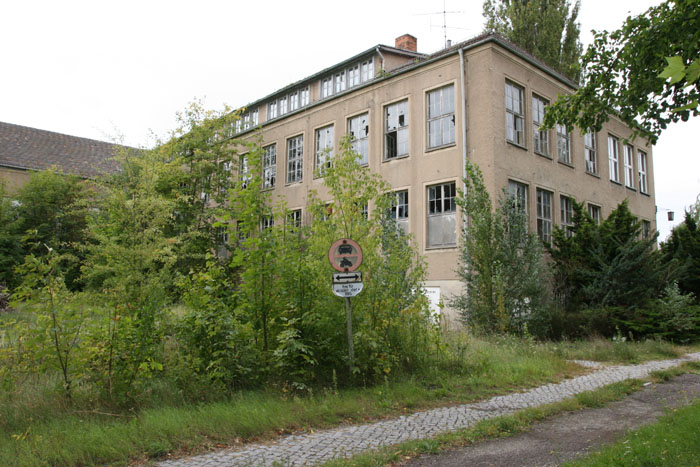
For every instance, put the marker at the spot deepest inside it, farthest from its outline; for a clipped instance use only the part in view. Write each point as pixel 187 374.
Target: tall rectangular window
pixel 396 130
pixel 563 144
pixel 544 215
pixel 591 156
pixel 324 149
pixel 442 215
pixel 295 158
pixel 399 208
pixel 304 97
pixel 567 214
pixel 646 229
pixel 340 81
pixel 283 105
pixel 244 170
pixel 269 166
pixel 441 117
pixel 354 76
pixel 293 101
pixel 267 222
pixel 367 68
pixel 643 185
pixel 614 158
pixel 594 212
pixel 358 129
pixel 518 191
pixel 540 135
pixel 272 110
pixel 629 166
pixel 327 87
pixel 515 114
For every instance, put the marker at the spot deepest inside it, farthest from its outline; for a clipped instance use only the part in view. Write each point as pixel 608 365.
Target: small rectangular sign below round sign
pixel 348 289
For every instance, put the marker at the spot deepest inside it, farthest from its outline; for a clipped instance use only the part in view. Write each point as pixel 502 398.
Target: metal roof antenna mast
pixel 444 13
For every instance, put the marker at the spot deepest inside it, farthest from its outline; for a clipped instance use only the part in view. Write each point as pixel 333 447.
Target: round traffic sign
pixel 345 255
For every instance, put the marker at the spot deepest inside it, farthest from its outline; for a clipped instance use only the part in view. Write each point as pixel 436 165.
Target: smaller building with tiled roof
pixel 24 150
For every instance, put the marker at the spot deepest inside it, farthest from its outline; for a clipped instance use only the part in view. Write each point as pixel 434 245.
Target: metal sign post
pixel 345 255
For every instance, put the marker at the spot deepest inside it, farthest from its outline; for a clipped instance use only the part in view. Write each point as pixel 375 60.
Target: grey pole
pixel 351 350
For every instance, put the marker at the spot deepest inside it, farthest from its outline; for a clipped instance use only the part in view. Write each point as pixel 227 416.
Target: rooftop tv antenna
pixel 444 26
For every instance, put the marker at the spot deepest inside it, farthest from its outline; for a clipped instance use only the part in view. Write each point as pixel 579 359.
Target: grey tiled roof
pixel 27 148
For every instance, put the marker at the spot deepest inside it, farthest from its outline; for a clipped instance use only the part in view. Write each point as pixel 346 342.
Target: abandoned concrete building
pixel 415 119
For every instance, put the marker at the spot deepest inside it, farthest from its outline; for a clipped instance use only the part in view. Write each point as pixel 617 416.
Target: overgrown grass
pixel 619 351
pixel 38 427
pixel 674 441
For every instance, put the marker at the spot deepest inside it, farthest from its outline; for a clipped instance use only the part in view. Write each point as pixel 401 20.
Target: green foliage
pixel 11 252
pixel 545 28
pixel 625 73
pixel 501 264
pixel 606 265
pixel 683 247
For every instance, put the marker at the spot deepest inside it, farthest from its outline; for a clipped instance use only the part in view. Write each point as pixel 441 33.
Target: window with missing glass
pixel 398 210
pixel 518 191
pixel 442 215
pixel 594 212
pixel 269 166
pixel 294 218
pixel 590 153
pixel 441 117
pixel 295 159
pixel 567 214
pixel 396 130
pixel 324 150
pixel 563 144
pixel 244 171
pixel 358 130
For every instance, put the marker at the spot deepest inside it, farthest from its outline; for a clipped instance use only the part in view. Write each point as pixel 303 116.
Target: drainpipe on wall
pixel 462 75
pixel 382 57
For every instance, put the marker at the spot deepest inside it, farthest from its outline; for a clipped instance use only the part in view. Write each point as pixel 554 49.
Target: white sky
pixel 121 69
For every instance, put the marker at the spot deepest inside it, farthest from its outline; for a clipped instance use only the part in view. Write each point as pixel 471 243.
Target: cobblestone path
pixel 322 446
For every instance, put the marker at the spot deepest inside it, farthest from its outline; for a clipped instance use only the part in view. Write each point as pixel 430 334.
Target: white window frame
pixel 244 170
pixel 591 152
pixel 566 206
pixel 353 75
pixel 294 218
pixel 324 143
pixel 272 109
pixel 545 199
pixel 442 209
pixel 519 191
pixel 614 158
pixel 293 101
pixel 594 211
pixel 304 95
pixel 563 144
pixel 358 130
pixel 398 210
pixel 283 108
pixel 515 113
pixel 269 166
pixel 396 137
pixel 629 165
pixel 540 136
pixel 295 159
pixel 643 182
pixel 440 104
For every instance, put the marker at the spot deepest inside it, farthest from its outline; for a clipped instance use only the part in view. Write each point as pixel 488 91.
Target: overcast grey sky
pixel 121 69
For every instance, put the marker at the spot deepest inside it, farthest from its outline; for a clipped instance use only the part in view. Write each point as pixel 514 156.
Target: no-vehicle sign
pixel 345 255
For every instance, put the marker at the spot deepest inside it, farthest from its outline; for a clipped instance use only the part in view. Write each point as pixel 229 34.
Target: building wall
pixel 13 179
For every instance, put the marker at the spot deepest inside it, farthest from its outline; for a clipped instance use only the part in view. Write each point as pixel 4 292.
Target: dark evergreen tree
pixel 683 246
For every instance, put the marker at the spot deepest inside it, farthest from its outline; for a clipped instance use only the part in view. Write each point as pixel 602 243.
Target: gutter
pixel 382 57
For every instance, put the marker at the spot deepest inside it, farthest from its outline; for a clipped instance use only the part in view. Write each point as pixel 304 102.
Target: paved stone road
pixel 346 441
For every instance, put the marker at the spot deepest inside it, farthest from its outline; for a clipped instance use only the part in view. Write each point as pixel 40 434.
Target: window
pixel 396 130
pixel 244 171
pixel 295 158
pixel 589 144
pixel 225 177
pixel 358 129
pixel 326 87
pixel 442 215
pixel 304 97
pixel 242 231
pixel 441 117
pixel 340 81
pixel 269 166
pixel 283 105
pixel 367 70
pixel 272 110
pixel 643 186
pixel 646 229
pixel 629 166
pixel 222 241
pixel 540 136
pixel 399 209
pixel 594 212
pixel 613 159
pixel 563 144
pixel 518 191
pixel 544 215
pixel 293 101
pixel 267 222
pixel 354 76
pixel 364 211
pixel 294 218
pixel 567 214
pixel 324 149
pixel 515 114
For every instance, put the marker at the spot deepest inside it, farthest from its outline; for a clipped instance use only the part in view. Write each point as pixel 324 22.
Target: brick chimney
pixel 407 42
